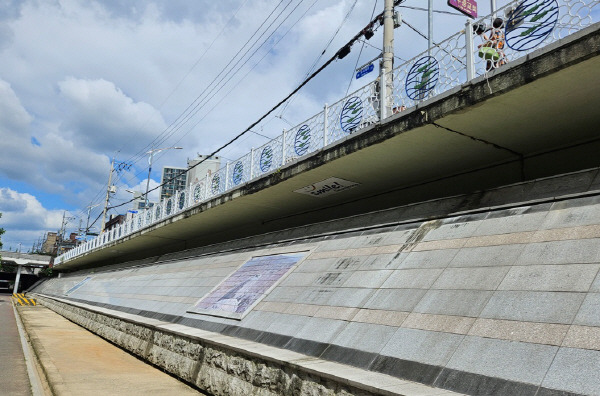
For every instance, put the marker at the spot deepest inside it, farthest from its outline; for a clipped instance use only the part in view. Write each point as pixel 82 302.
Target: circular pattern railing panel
pixel 169 206
pixel 215 184
pixel 302 140
pixel 139 222
pixel 422 78
pixel 197 193
pixel 530 23
pixel 351 114
pixel 148 216
pixel 181 200
pixel 238 173
pixel 157 211
pixel 266 159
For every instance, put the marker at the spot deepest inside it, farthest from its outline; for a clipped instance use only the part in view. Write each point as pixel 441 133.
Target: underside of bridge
pixel 534 118
pixel 465 258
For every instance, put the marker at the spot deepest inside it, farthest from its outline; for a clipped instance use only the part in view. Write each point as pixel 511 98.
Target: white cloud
pixel 24 218
pixel 86 78
pixel 99 116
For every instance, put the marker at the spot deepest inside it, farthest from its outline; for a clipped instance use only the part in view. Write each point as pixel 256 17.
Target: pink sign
pixel 467 7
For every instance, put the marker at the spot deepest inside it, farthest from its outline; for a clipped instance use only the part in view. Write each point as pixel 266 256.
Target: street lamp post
pixel 87 224
pixel 151 152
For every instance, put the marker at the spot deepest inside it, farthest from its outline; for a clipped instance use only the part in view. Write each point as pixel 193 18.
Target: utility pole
pixel 430 27
pixel 387 61
pixel 60 236
pixel 108 191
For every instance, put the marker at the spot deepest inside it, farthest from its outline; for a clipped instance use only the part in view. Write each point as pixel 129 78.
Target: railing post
pixel 206 187
pixel 383 95
pixel 325 124
pixel 227 176
pixel 252 163
pixel 283 148
pixel 469 50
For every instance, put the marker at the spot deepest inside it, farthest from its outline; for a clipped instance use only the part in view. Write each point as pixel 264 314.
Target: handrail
pixel 482 46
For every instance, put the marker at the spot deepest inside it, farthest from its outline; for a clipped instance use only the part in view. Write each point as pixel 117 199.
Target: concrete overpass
pixel 466 259
pixel 24 260
pixel 533 118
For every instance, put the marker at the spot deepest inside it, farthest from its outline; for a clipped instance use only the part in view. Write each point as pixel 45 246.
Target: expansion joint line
pixel 495 145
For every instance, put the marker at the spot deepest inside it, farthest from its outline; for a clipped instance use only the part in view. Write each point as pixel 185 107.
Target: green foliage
pixel 46 272
pixel 11 269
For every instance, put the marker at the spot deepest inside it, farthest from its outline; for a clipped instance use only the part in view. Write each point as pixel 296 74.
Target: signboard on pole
pixel 467 7
pixel 365 70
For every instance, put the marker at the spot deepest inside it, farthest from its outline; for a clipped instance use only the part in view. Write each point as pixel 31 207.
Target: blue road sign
pixel 364 71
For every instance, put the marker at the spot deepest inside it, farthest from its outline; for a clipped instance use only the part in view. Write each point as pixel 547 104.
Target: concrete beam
pixel 473 137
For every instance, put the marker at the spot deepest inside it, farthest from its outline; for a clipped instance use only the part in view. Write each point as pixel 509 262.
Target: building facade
pixel 209 167
pixel 49 244
pixel 173 179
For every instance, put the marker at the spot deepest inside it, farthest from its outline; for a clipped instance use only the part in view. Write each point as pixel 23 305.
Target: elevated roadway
pixel 465 259
pixel 24 260
pixel 533 118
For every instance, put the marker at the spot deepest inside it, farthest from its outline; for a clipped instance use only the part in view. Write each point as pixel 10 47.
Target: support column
pixel 17 279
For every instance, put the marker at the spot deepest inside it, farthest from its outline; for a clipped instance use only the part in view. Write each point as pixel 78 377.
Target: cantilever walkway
pixel 13 371
pixel 77 362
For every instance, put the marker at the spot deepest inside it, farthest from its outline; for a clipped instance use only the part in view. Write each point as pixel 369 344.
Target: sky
pixel 84 81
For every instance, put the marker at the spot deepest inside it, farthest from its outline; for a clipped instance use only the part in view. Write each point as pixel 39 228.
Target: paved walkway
pixel 77 362
pixel 13 372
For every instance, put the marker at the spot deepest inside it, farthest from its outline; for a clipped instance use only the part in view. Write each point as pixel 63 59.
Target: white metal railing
pixel 483 45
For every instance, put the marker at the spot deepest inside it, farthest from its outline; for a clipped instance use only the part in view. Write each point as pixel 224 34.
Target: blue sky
pixel 82 82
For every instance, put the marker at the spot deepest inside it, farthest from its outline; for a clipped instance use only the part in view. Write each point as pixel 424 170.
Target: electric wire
pixel 243 77
pixel 93 201
pixel 436 11
pixel 360 52
pixel 314 64
pixel 184 116
pixel 342 52
pixel 379 49
pixel 213 92
pixel 141 153
pixel 434 43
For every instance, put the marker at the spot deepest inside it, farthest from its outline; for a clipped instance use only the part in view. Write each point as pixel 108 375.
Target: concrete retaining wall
pixel 494 300
pixel 221 365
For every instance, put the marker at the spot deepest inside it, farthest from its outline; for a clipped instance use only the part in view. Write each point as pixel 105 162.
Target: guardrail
pixel 511 32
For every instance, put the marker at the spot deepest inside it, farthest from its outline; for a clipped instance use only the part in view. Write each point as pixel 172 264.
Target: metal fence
pixel 513 31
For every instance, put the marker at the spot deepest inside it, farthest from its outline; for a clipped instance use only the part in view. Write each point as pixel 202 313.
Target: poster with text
pixel 243 289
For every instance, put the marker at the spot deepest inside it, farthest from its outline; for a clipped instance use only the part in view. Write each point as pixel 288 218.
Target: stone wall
pixel 502 298
pixel 212 368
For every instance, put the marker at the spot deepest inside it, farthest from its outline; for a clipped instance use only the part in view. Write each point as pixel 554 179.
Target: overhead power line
pixel 232 75
pixel 184 116
pixel 99 193
pixel 314 64
pixel 340 54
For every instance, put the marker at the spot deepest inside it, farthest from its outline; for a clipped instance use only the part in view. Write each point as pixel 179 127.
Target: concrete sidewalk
pixel 14 380
pixel 77 362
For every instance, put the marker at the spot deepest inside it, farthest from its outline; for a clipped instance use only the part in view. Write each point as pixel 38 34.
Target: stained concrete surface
pixel 13 371
pixel 77 362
